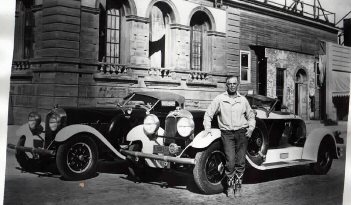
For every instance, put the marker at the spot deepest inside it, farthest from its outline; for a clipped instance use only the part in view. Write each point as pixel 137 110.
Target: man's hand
pixel 207 131
pixel 248 132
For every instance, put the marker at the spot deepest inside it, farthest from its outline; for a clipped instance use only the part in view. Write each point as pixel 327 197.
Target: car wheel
pixel 209 169
pixel 76 158
pixel 258 143
pixel 136 165
pixel 26 161
pixel 324 159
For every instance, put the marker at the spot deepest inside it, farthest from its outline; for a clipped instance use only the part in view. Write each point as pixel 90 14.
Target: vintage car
pixel 279 140
pixel 153 129
pixel 75 138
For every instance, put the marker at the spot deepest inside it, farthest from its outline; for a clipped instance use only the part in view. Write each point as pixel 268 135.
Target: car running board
pixel 281 164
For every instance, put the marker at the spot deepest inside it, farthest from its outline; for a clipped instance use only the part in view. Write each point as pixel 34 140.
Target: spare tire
pixel 258 143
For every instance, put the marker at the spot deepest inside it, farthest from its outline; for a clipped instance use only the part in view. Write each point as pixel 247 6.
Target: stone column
pixel 217 44
pixel 181 51
pixel 57 53
pixel 138 41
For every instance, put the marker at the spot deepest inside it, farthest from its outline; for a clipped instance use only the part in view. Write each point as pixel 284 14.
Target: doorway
pixel 301 94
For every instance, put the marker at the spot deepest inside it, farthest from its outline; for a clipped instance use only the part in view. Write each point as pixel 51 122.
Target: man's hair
pixel 232 76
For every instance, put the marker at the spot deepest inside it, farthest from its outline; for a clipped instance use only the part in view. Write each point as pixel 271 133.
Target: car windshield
pixel 261 101
pixel 135 100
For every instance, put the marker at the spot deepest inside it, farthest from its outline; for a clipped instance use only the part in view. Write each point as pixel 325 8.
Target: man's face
pixel 232 85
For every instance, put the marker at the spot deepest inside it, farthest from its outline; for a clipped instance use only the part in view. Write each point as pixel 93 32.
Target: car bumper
pixel 159 157
pixel 32 150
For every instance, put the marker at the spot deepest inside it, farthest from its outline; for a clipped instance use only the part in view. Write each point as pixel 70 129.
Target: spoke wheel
pixel 79 157
pixel 258 143
pixel 76 158
pixel 209 169
pixel 255 143
pixel 215 167
pixel 324 158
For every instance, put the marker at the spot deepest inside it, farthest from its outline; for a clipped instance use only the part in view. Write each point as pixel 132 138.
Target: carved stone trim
pixel 138 19
pixel 216 33
pixel 180 27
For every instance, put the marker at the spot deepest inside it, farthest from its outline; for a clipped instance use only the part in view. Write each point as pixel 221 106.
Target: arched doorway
pixel 301 94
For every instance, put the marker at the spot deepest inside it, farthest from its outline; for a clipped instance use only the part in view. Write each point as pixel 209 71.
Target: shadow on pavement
pixel 253 176
pixel 175 179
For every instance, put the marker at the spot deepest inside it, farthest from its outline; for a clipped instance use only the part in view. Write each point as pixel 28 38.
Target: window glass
pixel 244 59
pixel 199 51
pixel 245 66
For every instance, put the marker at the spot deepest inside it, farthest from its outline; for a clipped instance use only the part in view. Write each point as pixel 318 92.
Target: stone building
pixel 94 52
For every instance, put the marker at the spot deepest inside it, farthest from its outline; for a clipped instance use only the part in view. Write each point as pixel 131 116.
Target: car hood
pixel 91 115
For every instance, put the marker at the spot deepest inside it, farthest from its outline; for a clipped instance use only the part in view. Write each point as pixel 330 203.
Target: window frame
pixel 200 54
pixel 122 29
pixel 205 48
pixel 24 41
pixel 248 67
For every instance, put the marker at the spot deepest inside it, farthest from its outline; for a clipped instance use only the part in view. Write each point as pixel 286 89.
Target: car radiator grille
pixel 171 133
pixel 171 127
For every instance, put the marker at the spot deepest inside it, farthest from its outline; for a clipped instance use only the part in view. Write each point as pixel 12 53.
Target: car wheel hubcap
pixel 79 157
pixel 259 142
pixel 215 167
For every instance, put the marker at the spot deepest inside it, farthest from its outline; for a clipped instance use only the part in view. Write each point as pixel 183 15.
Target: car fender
pixel 24 130
pixel 69 131
pixel 202 141
pixel 138 134
pixel 313 141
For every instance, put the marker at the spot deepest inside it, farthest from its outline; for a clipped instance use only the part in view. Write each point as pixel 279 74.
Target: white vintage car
pixel 279 140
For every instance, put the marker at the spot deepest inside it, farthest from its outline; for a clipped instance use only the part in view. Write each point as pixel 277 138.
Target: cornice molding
pixel 90 9
pixel 279 13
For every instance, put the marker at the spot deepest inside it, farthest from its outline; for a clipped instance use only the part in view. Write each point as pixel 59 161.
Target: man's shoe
pixel 237 184
pixel 229 189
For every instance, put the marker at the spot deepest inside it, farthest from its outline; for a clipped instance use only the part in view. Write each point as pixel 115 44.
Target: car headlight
pixel 185 127
pixel 54 122
pixel 151 124
pixel 34 120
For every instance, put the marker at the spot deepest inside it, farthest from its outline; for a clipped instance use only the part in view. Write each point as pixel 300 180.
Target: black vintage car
pixel 75 138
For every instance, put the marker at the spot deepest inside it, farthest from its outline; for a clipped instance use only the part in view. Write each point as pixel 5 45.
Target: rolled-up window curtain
pixel 157 37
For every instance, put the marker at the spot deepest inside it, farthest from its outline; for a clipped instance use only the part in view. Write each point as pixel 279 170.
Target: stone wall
pixel 291 62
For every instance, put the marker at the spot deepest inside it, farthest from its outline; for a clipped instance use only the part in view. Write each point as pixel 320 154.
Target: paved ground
pixel 283 186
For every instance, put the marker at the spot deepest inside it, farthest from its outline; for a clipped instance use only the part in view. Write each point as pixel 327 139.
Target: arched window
pixel 199 25
pixel 24 36
pixel 160 35
pixel 112 22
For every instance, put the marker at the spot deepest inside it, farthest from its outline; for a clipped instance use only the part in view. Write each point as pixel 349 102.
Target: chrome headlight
pixel 185 127
pixel 34 120
pixel 54 122
pixel 151 124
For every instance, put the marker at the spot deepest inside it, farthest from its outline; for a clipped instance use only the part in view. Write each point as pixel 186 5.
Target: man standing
pixel 236 120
